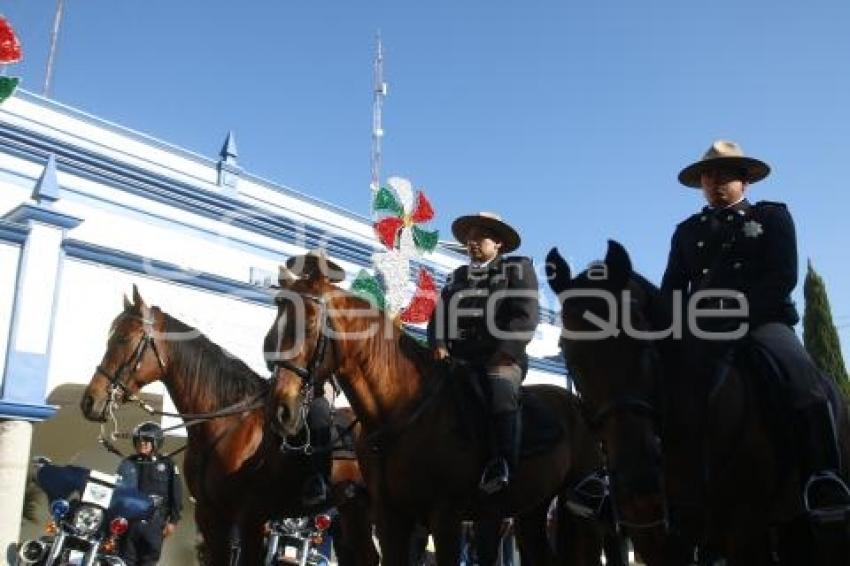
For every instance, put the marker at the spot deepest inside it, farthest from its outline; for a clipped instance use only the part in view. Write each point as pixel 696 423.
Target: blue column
pixel 23 390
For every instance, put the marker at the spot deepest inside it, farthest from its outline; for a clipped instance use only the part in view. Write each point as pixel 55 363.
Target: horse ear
pixel 619 266
pixel 557 271
pixel 127 304
pixel 285 277
pixel 137 297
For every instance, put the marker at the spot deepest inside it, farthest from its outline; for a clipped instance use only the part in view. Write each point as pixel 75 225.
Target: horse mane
pixel 390 351
pixel 208 370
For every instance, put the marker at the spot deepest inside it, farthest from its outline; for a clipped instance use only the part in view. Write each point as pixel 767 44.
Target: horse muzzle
pixel 287 421
pixel 94 410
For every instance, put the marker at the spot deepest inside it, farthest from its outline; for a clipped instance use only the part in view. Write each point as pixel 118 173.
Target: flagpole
pixel 54 39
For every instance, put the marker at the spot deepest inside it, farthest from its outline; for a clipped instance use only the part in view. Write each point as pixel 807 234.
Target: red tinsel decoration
pixel 10 47
pixel 424 300
pixel 387 230
pixel 422 212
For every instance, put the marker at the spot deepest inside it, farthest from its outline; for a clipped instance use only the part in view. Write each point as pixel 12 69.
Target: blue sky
pixel 571 119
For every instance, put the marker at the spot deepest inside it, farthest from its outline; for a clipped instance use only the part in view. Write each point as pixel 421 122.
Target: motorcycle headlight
pixel 295 524
pixel 32 551
pixel 87 519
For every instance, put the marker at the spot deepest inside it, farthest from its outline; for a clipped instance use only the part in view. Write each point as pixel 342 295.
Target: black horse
pixel 695 462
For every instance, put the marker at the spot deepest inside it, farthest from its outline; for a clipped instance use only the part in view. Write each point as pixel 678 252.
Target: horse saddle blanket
pixel 540 428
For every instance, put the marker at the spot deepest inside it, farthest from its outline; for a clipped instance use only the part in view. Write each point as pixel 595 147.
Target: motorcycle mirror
pixel 41 460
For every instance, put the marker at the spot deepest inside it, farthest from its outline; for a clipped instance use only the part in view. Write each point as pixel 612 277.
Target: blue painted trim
pixel 196 200
pixel 162 270
pixel 25 412
pixel 13 232
pixel 228 153
pixel 26 213
pixel 547 365
pixel 25 374
pixel 176 150
pixel 47 186
pixel 165 271
pixel 206 203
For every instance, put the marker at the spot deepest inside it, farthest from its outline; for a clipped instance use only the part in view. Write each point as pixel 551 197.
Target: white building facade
pixel 87 209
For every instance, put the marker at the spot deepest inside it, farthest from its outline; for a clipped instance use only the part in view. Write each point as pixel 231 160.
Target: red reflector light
pixel 118 526
pixel 323 522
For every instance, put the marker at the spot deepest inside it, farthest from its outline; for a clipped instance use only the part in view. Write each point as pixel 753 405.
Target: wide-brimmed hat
pixel 724 153
pixel 488 221
pixel 313 261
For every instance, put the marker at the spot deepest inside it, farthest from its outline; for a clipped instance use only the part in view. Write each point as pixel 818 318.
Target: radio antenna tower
pixel 54 41
pixel 380 92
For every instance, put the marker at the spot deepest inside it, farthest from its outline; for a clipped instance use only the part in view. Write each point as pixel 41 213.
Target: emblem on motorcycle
pixel 753 229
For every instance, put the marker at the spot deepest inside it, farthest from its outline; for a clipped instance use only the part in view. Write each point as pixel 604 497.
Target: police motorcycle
pixel 296 541
pixel 89 513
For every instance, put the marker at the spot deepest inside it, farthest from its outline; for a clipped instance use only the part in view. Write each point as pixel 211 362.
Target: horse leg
pixel 394 534
pixel 353 542
pixel 616 549
pixel 531 536
pixel 578 542
pixel 748 543
pixel 213 532
pixel 445 527
pixel 234 545
pixel 251 541
pixel 488 539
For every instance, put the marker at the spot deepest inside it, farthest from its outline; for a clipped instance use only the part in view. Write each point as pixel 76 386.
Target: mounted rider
pixel 748 253
pixel 486 315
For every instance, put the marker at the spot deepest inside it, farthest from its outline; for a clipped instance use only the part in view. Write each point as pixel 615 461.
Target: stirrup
pixel 588 498
pixel 832 512
pixel 495 477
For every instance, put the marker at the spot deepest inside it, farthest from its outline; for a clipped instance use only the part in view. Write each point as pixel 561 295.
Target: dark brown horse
pixel 728 482
pixel 418 449
pixel 234 468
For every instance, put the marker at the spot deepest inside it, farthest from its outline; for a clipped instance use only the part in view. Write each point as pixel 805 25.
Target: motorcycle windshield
pixel 61 481
pixel 130 503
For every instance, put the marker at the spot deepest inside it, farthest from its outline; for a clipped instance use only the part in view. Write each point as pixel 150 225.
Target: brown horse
pixel 418 450
pixel 234 468
pixel 731 488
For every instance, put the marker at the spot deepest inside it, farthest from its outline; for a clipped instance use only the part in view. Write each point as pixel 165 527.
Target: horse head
pixel 606 315
pixel 131 361
pixel 296 347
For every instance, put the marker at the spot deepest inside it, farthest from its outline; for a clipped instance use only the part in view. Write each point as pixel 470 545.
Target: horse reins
pixel 639 407
pixel 117 384
pixel 307 373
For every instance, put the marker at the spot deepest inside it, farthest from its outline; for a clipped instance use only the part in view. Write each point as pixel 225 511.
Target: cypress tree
pixel 819 333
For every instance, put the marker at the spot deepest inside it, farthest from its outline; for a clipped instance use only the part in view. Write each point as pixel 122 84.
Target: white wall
pixel 92 296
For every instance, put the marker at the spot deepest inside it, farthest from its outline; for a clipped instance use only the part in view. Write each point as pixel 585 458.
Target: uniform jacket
pixel 155 476
pixel 469 337
pixel 750 248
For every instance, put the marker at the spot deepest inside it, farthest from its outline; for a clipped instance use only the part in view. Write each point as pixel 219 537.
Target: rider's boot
pixel 826 496
pixel 497 472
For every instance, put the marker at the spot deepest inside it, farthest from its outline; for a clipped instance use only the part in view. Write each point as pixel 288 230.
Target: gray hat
pixel 724 153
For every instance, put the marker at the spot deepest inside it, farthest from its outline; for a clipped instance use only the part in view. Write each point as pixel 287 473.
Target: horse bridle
pixel 116 383
pixel 308 372
pixel 640 407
